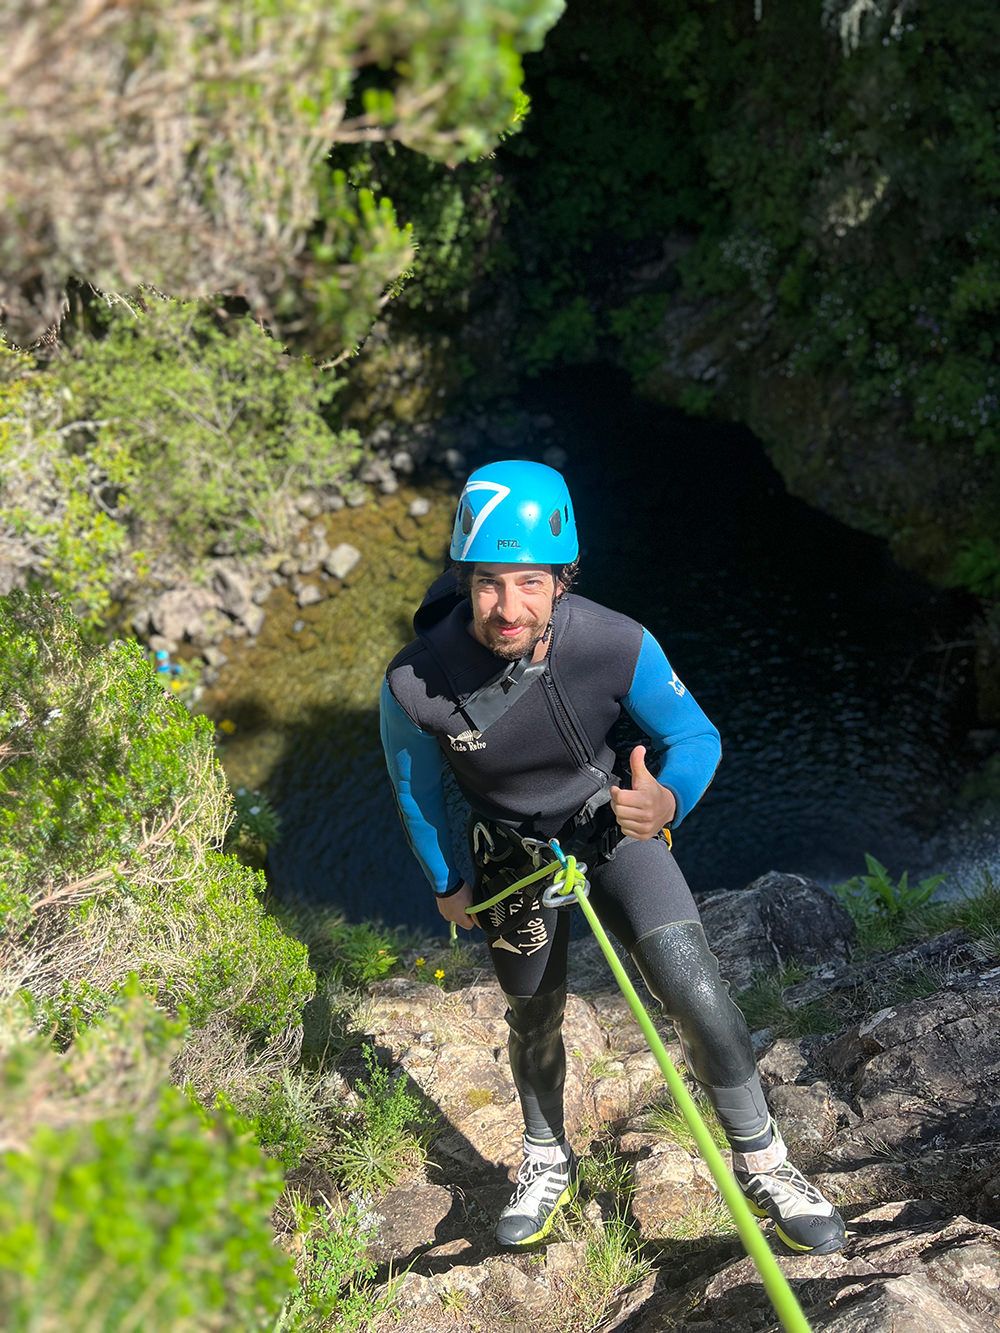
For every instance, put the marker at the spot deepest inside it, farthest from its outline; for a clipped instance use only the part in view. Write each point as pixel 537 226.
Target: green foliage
pixel 612 1261
pixel 219 425
pixel 228 187
pixel 841 207
pixel 764 1006
pixel 351 954
pixel 255 819
pixel 125 1206
pixel 386 1137
pixel 875 900
pixel 336 1276
pixel 665 1119
pixel 112 807
pixel 977 567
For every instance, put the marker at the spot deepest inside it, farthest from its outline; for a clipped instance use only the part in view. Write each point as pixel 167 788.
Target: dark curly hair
pixel 565 574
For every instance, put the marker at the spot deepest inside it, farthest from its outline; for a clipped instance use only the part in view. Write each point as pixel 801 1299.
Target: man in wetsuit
pixel 516 684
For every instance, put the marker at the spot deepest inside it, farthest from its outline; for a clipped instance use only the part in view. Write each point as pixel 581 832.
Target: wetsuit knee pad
pixel 533 1017
pixel 682 973
pixel 538 1060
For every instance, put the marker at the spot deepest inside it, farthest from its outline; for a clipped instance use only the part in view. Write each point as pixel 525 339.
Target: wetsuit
pixel 531 750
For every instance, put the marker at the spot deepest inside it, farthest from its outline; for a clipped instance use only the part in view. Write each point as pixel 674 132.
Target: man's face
pixel 511 607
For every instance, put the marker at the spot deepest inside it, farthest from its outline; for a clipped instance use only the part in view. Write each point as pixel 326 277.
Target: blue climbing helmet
pixel 515 513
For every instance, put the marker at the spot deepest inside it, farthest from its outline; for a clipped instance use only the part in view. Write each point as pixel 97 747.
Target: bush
pixel 385 1138
pixel 122 1204
pixel 112 808
pixel 336 1275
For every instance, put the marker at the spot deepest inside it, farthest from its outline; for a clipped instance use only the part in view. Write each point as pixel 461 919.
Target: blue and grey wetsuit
pixel 531 763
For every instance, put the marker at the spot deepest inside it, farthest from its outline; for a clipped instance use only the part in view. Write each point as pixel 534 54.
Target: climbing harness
pixel 570 887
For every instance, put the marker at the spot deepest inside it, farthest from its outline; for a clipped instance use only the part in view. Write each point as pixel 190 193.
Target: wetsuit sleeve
pixel 663 708
pixel 415 769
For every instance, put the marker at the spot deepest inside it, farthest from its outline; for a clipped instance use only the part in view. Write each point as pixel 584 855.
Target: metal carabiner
pixel 536 848
pixel 555 895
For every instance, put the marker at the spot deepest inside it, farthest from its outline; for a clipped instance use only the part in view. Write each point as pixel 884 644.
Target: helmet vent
pixel 555 522
pixel 467 520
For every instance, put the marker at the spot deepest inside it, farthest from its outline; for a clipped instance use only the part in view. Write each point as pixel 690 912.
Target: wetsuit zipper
pixel 569 731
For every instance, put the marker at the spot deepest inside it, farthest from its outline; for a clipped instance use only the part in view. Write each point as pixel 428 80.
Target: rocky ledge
pixel 894 1114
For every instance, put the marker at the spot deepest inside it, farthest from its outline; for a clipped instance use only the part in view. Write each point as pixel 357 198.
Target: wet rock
pixel 419 507
pixel 776 919
pixel 342 560
pixel 403 462
pixel 335 503
pixel 214 656
pixel 288 567
pixel 454 461
pixel 309 504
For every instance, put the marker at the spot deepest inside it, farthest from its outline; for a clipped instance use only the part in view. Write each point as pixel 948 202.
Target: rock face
pixel 895 1117
pixel 906 1268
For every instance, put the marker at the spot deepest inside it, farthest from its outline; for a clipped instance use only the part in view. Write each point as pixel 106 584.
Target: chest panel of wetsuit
pixel 546 755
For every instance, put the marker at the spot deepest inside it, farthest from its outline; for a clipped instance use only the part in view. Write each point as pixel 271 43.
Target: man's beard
pixel 513 649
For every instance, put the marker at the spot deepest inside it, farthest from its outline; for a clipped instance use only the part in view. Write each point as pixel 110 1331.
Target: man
pixel 516 684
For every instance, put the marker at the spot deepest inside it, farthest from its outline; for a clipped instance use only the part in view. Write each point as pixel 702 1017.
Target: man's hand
pixel 642 811
pixel 453 907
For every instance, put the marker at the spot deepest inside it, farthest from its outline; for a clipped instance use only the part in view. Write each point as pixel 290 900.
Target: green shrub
pixel 336 1275
pixel 220 425
pixel 887 911
pixel 112 807
pixel 385 1138
pixel 122 1204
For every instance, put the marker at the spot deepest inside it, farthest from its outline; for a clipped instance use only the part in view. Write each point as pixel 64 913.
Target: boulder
pixel 776 920
pixel 179 614
pixel 233 591
pixel 936 1061
pixel 905 1269
pixel 409 1219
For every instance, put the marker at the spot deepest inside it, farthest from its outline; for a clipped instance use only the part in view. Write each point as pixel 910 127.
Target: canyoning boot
pixel 547 1179
pixel 805 1222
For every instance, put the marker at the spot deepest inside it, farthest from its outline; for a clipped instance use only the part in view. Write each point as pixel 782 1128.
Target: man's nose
pixel 510 604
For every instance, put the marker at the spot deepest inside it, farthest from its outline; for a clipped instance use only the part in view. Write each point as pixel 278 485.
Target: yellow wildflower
pixel 439 974
pixel 421 962
pixel 227 725
pixel 175 685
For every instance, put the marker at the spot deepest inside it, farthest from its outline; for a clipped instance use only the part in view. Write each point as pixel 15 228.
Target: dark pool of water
pixel 816 657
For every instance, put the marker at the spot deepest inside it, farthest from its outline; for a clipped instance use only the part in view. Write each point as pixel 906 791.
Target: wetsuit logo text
pixel 466 741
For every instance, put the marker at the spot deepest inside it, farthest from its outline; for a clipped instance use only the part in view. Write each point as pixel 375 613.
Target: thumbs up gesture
pixel 642 810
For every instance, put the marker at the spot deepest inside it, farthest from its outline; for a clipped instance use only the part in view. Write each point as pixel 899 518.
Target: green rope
pixel 782 1297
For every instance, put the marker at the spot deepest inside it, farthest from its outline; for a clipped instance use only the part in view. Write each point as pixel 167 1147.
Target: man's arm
pixel 664 709
pixel 415 766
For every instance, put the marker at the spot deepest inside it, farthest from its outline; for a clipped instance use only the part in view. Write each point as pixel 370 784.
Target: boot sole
pixel 567 1195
